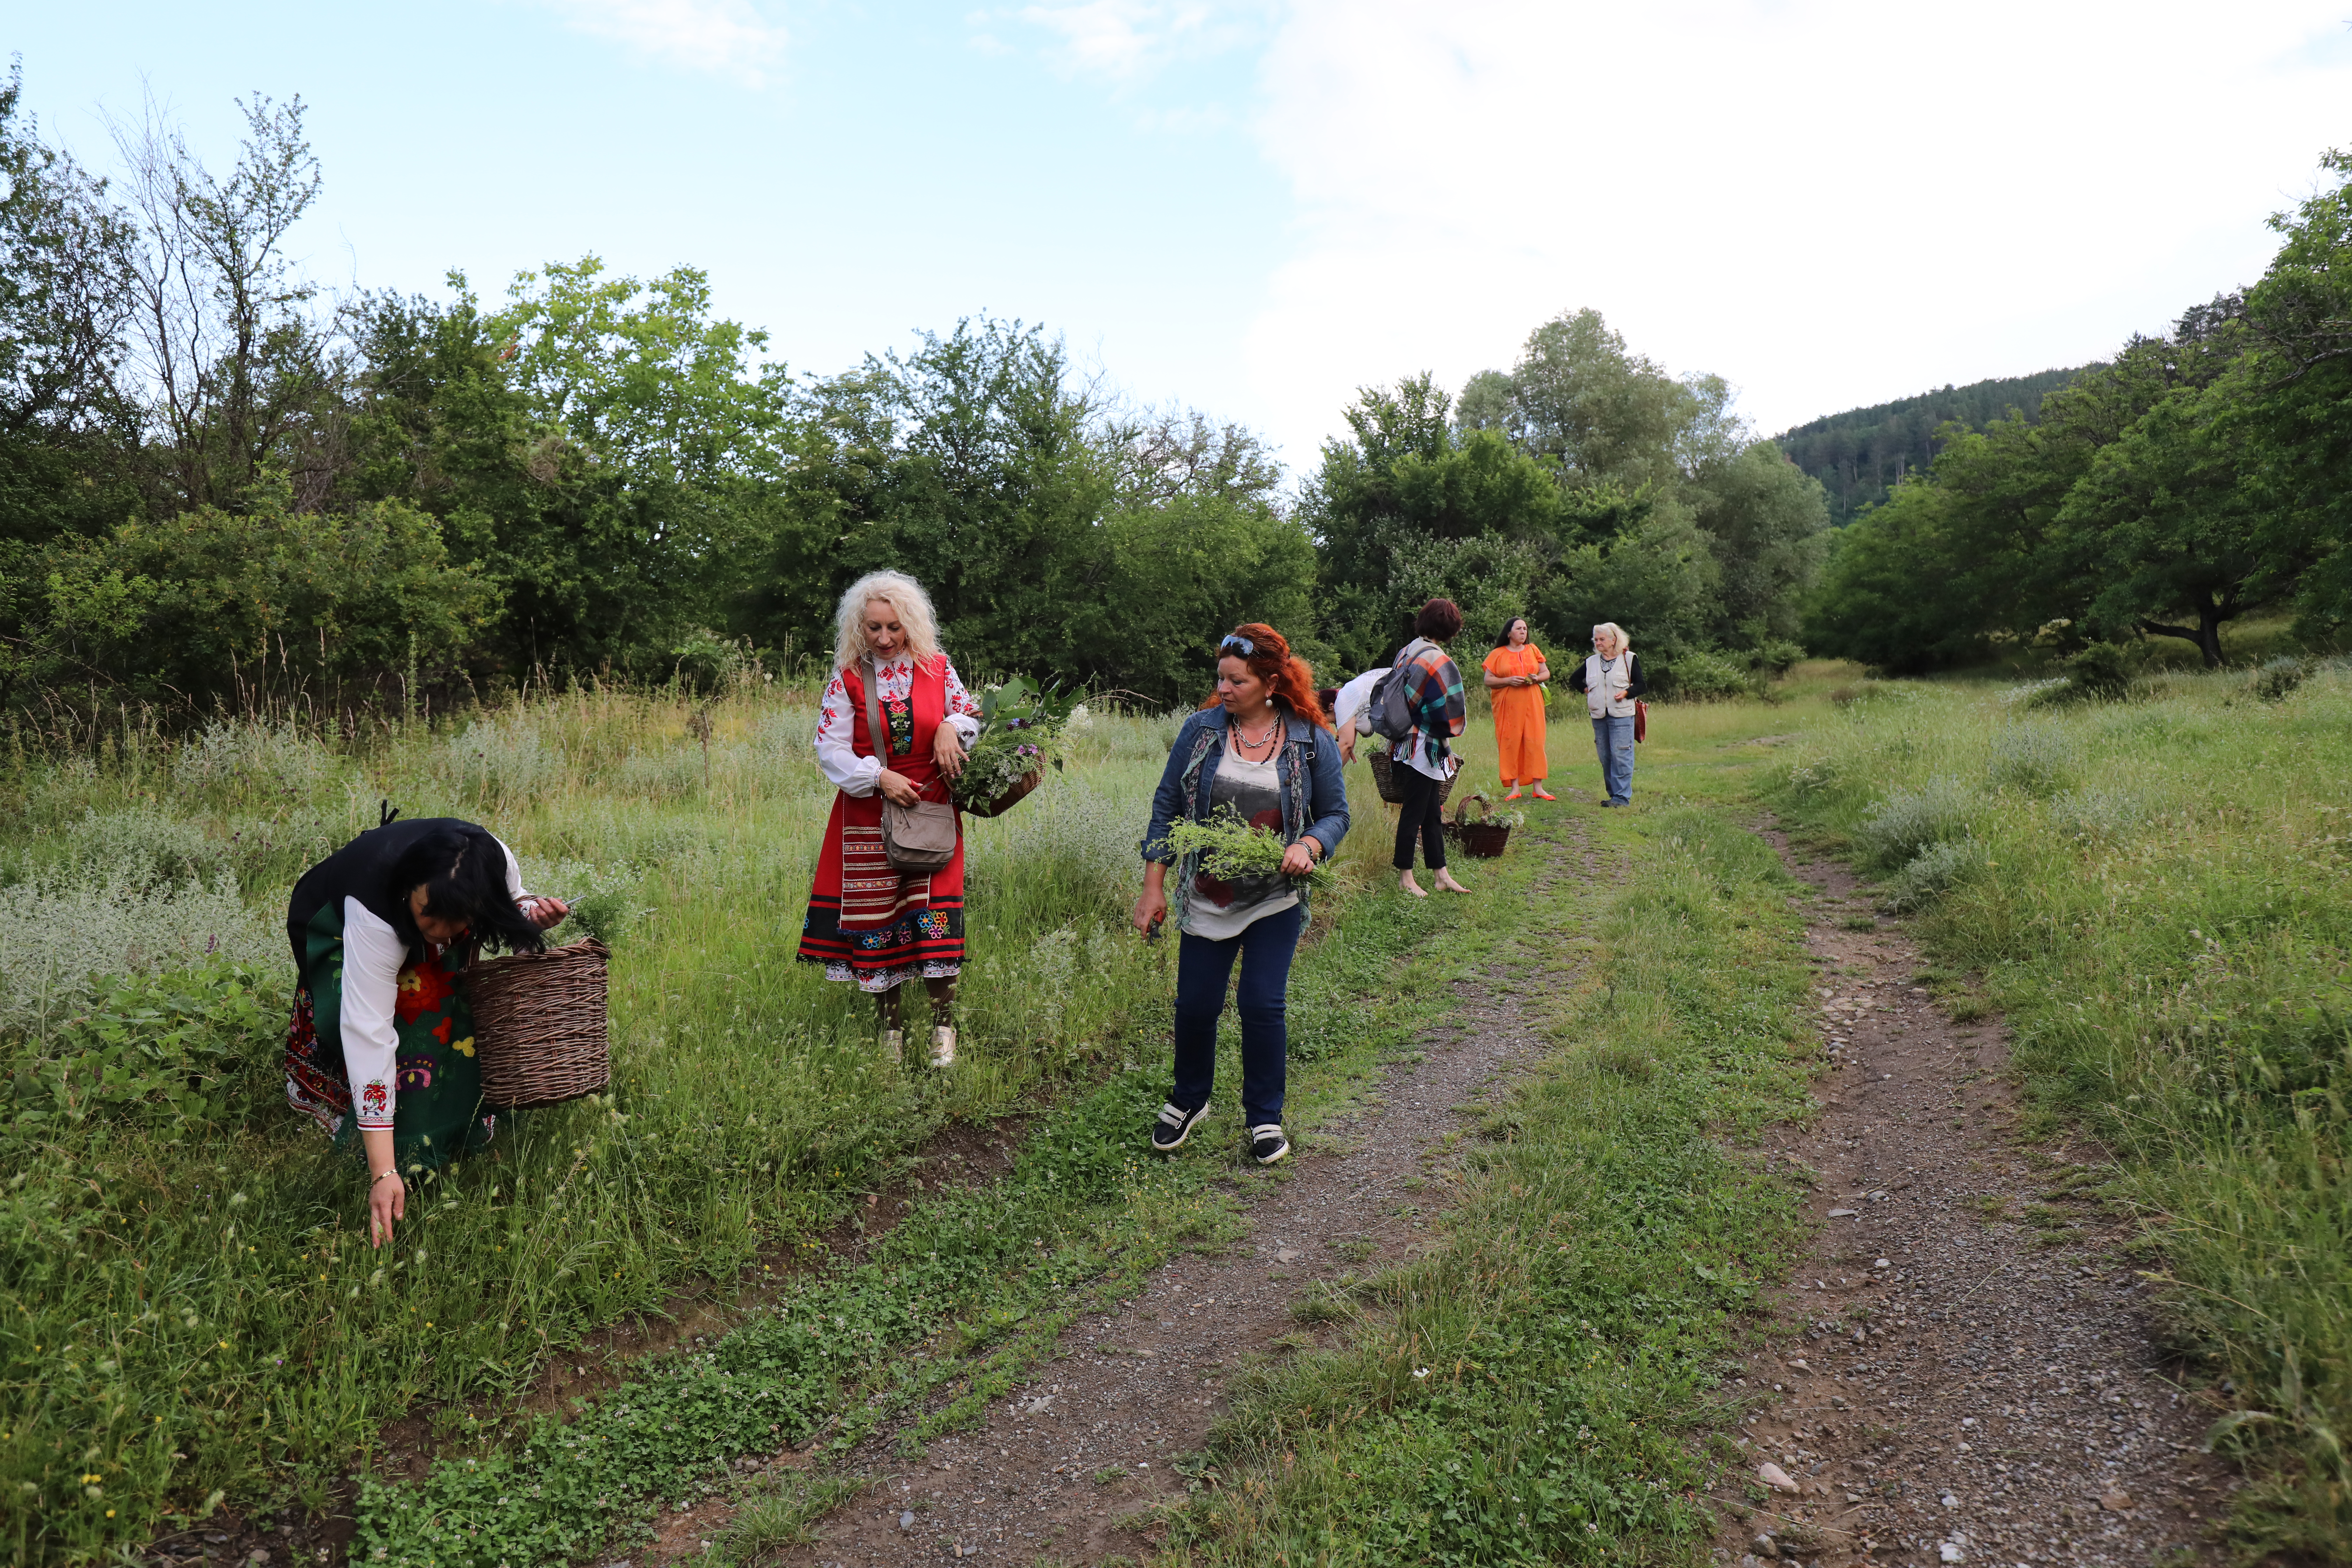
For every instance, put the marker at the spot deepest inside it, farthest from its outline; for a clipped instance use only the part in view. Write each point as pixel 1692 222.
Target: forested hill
pixel 1859 455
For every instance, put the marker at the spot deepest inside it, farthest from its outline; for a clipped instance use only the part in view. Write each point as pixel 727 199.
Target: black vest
pixel 362 870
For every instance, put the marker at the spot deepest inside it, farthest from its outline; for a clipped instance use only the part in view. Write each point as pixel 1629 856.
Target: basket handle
pixel 1461 810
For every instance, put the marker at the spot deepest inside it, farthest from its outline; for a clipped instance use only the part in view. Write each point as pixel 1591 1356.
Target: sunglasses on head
pixel 1238 643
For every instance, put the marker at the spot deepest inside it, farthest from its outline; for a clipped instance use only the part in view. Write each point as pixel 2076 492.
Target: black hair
pixel 1502 637
pixel 463 874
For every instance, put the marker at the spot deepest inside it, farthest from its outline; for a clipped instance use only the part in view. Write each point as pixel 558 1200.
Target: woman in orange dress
pixel 1516 673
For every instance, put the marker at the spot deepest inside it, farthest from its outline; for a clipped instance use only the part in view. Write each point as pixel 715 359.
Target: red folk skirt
pixel 866 923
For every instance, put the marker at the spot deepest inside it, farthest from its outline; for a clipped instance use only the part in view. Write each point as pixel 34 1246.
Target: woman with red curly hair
pixel 1260 749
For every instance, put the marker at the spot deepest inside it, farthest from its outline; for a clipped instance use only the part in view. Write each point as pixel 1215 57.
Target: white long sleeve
pixel 1353 696
pixel 837 750
pixel 372 956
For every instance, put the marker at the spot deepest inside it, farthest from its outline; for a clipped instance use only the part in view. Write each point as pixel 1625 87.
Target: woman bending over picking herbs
pixel 1260 753
pixel 381 1042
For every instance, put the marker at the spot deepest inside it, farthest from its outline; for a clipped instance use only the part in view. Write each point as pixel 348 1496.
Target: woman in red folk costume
pixel 866 923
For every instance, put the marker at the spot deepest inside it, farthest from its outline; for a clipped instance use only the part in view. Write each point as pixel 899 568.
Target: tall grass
pixel 192 1311
pixel 2159 892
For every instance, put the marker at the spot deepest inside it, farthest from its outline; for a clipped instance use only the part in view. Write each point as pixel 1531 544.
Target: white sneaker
pixel 942 1045
pixel 894 1044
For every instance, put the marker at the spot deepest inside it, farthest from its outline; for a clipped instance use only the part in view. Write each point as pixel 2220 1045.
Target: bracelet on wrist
pixel 379 1175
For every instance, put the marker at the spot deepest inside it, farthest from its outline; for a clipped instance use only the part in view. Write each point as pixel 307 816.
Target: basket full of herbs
pixel 1021 729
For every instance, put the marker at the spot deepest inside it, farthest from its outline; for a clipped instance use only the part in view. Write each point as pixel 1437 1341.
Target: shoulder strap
pixel 876 730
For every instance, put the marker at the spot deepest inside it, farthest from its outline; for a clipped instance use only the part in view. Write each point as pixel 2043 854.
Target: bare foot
pixel 1409 886
pixel 1445 881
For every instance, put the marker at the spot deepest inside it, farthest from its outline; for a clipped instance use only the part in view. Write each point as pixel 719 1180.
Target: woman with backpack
pixel 1421 759
pixel 1259 750
pixel 1612 684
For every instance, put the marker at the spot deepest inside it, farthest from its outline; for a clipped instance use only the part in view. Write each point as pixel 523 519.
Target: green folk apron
pixel 437 1113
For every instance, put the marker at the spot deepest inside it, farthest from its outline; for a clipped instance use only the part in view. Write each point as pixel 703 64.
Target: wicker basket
pixel 1481 839
pixel 539 1023
pixel 1009 799
pixel 1384 775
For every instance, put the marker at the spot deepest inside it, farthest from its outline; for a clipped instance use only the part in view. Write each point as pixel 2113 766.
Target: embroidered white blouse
pixel 836 750
pixel 373 954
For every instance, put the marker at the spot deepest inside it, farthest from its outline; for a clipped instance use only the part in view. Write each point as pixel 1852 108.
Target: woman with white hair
pixel 893 724
pixel 1609 683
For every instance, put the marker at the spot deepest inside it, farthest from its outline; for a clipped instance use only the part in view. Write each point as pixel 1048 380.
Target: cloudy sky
pixel 1256 209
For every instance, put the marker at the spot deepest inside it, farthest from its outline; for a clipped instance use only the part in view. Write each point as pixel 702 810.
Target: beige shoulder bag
pixel 917 839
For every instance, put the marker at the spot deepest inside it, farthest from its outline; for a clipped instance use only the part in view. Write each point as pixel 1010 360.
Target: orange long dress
pixel 1518 715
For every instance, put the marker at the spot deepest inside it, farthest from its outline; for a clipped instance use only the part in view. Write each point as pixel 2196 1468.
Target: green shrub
pixel 2031 759
pixel 1893 831
pixel 1704 676
pixel 192 1047
pixel 2276 678
pixel 1934 871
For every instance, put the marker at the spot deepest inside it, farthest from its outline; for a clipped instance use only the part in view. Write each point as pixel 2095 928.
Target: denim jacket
pixel 1314 791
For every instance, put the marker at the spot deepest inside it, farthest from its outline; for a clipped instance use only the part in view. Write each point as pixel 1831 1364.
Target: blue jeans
pixel 1202 966
pixel 1612 738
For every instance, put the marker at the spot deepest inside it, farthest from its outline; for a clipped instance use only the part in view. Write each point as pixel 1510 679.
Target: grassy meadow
pixel 2153 888
pixel 194 1315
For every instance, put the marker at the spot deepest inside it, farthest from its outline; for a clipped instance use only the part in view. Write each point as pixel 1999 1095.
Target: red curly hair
pixel 1289 680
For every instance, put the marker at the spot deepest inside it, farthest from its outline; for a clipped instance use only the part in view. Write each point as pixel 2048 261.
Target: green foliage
pixel 1699 676
pixel 1021 727
pixel 1860 455
pixel 228 604
pixel 178 1051
pixel 1230 848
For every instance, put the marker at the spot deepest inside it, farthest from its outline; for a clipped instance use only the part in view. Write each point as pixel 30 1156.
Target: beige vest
pixel 1601 680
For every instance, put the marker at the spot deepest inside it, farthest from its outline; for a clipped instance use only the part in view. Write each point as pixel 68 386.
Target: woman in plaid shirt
pixel 1423 759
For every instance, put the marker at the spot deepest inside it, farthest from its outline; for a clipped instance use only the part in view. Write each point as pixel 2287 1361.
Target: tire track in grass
pixel 951 1306
pixel 1964 1369
pixel 1078 1461
pixel 1551 1381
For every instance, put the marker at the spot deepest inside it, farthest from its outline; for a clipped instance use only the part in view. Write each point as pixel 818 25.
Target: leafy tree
pixel 2298 423
pixel 601 448
pixel 225 605
pixel 233 371
pixel 1900 590
pixel 2167 520
pixel 1764 521
pixel 64 425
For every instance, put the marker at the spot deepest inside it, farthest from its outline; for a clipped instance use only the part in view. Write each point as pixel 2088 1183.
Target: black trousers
pixel 1420 814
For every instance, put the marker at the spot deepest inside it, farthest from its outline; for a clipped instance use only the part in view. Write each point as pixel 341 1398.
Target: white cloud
pixel 1829 201
pixel 725 37
pixel 1125 39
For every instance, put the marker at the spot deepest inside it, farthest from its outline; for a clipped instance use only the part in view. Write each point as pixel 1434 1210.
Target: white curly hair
pixel 1616 634
pixel 902 594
